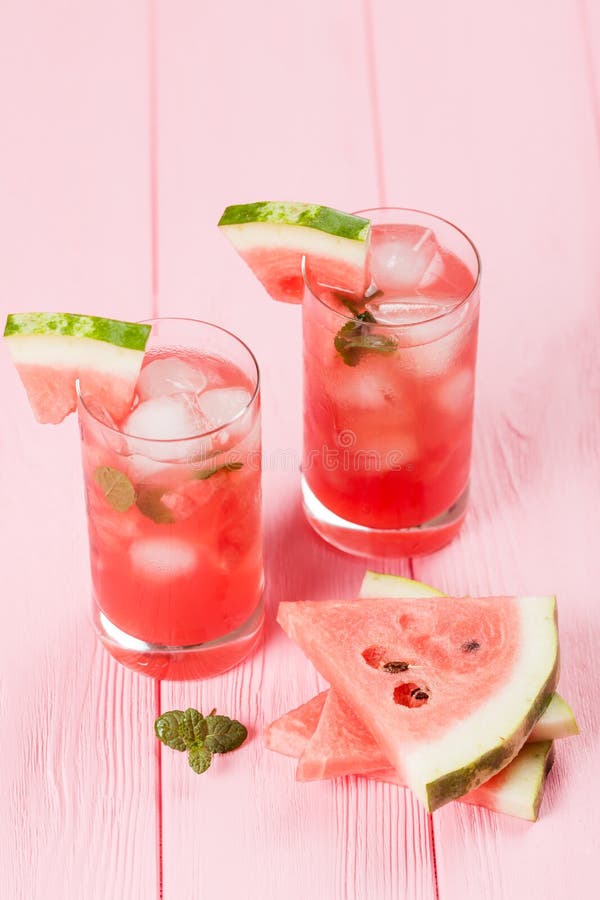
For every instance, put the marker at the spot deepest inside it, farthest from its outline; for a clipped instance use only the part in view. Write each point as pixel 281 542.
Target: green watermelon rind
pixel 130 335
pixel 531 767
pixel 307 215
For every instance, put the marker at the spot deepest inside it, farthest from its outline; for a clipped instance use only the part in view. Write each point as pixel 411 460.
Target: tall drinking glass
pixel 175 524
pixel 389 384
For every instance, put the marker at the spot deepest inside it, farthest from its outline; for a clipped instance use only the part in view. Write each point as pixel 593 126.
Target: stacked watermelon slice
pixel 452 697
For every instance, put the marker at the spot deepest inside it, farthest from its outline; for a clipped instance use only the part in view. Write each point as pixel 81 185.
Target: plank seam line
pixel 436 884
pixel 158 794
pixel 374 98
pixel 153 148
pixel 593 75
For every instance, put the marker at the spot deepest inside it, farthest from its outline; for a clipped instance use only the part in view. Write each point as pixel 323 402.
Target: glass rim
pixel 200 434
pixel 348 317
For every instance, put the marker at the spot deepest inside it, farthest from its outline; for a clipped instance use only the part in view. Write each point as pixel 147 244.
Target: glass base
pixel 361 540
pixel 181 663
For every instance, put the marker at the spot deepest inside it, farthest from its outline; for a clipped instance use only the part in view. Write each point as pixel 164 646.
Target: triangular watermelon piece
pixel 52 350
pixel 449 688
pixel 272 238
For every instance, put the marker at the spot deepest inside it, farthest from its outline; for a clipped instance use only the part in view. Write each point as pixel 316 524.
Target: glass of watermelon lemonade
pixel 389 383
pixel 174 507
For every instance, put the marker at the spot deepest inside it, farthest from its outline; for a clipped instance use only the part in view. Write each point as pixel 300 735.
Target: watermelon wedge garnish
pixel 52 350
pixel 449 688
pixel 272 238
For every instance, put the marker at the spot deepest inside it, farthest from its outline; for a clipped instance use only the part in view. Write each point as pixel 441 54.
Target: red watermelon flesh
pixel 479 673
pixel 280 271
pixel 52 393
pixel 339 745
pixel 290 733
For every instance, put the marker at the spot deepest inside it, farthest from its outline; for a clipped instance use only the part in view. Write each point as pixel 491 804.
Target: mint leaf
pixel 208 473
pixel 168 729
pixel 149 502
pixel 116 487
pixel 224 734
pixel 200 735
pixel 199 758
pixel 193 728
pixel 355 338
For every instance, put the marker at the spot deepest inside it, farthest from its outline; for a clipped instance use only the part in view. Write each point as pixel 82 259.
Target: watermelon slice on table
pixel 52 350
pixel 479 674
pixel 342 745
pixel 273 237
pixel 331 745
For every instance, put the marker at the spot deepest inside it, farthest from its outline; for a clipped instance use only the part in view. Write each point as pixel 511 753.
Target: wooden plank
pixel 78 765
pixel 497 131
pixel 277 109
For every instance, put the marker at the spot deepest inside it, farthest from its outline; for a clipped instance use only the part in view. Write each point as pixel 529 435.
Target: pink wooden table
pixel 126 128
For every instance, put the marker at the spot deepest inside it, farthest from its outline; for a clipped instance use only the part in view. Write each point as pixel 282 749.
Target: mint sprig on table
pixel 201 736
pixel 356 338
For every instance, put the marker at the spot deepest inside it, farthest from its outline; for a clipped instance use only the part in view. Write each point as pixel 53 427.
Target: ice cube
pixel 400 255
pixel 401 311
pixel 221 405
pixel 163 558
pixel 169 375
pixel 161 421
pixel 167 418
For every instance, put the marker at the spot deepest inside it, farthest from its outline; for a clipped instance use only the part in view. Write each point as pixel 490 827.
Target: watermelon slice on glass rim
pixel 273 237
pixel 51 351
pixel 449 688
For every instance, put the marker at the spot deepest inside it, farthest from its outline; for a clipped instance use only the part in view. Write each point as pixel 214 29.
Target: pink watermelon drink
pixel 389 388
pixel 173 499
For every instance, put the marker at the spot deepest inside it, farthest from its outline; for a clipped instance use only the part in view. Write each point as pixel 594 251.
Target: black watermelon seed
pixel 395 666
pixel 470 646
